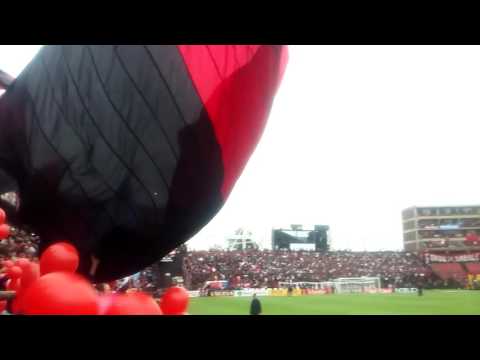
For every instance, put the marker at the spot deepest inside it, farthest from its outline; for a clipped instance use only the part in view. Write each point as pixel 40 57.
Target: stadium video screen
pixel 298 236
pixel 309 240
pixel 302 246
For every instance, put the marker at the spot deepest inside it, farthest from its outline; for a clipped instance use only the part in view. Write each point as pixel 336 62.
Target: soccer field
pixel 434 302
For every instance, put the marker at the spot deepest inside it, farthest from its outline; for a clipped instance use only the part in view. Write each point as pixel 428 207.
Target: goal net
pixel 357 285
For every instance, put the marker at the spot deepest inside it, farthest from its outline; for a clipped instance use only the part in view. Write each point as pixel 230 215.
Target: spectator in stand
pixel 268 268
pixel 265 268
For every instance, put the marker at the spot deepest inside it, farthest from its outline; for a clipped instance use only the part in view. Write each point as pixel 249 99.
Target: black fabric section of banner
pixel 110 147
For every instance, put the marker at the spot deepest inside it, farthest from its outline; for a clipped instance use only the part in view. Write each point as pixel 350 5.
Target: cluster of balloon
pixel 21 273
pixel 7 264
pixel 136 303
pixel 30 273
pixel 173 302
pixel 14 273
pixel 60 293
pixel 53 288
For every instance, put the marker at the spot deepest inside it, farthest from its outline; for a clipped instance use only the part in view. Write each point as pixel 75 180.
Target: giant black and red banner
pixel 127 151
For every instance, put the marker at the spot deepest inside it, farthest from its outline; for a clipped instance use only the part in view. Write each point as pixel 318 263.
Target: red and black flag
pixel 128 151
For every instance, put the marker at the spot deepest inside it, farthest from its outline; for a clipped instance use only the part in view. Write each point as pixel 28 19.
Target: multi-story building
pixel 441 228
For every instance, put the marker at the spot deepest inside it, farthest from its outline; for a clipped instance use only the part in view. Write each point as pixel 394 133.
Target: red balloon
pixel 31 272
pixel 14 272
pixel 61 256
pixel 174 301
pixel 4 231
pixel 60 293
pixel 104 302
pixel 22 263
pixel 3 305
pixel 3 216
pixel 16 305
pixel 13 285
pixel 8 264
pixel 137 303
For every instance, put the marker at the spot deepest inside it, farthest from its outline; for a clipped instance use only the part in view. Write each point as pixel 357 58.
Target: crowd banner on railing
pixel 313 291
pixel 220 293
pixel 470 257
pixel 284 292
pixel 250 292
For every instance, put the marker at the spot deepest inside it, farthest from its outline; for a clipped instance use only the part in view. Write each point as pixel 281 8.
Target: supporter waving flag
pixel 128 150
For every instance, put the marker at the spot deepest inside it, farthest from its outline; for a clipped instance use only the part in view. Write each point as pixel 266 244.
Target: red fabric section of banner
pixel 236 84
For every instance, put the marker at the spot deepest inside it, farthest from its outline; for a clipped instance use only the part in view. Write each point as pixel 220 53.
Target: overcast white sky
pixel 356 134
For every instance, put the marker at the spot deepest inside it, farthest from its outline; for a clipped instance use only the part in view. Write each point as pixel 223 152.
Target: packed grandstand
pixel 255 269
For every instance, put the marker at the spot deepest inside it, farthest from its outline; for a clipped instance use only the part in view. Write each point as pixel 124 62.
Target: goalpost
pixel 357 285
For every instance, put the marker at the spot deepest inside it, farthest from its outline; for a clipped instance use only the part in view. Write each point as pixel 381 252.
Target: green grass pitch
pixel 434 302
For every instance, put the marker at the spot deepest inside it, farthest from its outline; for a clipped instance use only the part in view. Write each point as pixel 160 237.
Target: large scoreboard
pixel 297 238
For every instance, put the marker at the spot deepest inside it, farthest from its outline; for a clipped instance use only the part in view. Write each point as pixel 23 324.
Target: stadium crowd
pixel 20 244
pixel 261 268
pixel 258 268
